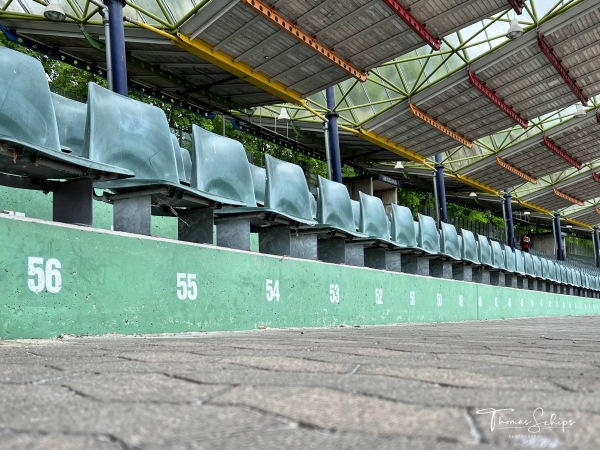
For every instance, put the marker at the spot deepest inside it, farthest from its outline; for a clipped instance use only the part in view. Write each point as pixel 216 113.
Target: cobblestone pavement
pixel 431 386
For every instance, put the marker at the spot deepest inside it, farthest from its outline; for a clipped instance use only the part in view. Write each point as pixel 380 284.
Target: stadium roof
pixel 412 78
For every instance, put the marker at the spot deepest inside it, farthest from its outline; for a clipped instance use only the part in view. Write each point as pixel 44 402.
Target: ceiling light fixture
pixel 514 30
pixel 283 115
pixel 579 111
pixel 54 12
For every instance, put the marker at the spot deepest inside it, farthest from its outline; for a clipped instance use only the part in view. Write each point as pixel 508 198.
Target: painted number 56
pixel 44 276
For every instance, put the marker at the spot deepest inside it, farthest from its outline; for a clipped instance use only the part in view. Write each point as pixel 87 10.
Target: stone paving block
pixel 24 440
pixel 333 410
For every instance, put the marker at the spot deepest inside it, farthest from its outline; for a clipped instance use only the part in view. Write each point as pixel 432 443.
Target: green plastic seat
pixel 29 133
pixel 313 206
pixel 334 210
pixel 449 242
pixel 551 270
pixel 356 213
pixel 545 268
pixel 484 251
pixel 498 258
pixel 469 249
pixel 220 167
pixel 403 227
pixel 287 197
pixel 529 267
pixel 537 266
pixel 374 220
pixel 70 120
pixel 519 262
pixel 428 238
pixel 181 172
pixel 138 138
pixel 510 263
pixel 259 181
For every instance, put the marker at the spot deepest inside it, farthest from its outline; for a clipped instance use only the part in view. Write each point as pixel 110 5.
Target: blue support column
pixel 509 224
pixel 334 138
pixel 440 189
pixel 558 238
pixel 596 240
pixel 117 44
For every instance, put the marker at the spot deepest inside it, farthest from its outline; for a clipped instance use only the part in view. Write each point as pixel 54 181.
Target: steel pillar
pixel 596 240
pixel 117 46
pixel 334 137
pixel 440 189
pixel 558 238
pixel 509 224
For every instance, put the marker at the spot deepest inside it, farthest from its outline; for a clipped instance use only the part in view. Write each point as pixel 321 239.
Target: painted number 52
pixel 44 275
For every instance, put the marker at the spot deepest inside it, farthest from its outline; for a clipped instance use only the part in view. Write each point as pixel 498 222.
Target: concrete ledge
pixel 63 279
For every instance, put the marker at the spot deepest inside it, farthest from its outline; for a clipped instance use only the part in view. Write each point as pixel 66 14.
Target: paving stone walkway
pixel 529 383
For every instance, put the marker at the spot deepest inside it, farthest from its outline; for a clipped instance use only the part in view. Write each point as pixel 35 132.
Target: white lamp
pixel 54 12
pixel 283 115
pixel 579 111
pixel 473 194
pixel 399 165
pixel 514 30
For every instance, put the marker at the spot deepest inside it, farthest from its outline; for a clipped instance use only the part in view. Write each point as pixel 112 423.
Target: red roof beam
pixel 492 97
pixel 560 152
pixel 596 177
pixel 414 24
pixel 562 71
pixel 517 5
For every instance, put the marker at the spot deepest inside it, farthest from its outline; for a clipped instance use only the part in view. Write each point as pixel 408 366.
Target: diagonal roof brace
pixel 491 96
pixel 560 152
pixel 517 5
pixel 414 24
pixel 562 71
pixel 278 20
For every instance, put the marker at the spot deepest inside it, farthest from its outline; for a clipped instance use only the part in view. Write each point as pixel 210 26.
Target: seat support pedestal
pixel 72 202
pixel 481 275
pixel 234 234
pixel 336 250
pixel 196 225
pixel 133 215
pixel 303 246
pixel 380 258
pixel 440 269
pixel 415 264
pixel 280 241
pixel 497 278
pixel 462 272
pixel 510 280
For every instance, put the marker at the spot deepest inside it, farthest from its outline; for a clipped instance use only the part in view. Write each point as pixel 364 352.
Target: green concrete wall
pixel 97 282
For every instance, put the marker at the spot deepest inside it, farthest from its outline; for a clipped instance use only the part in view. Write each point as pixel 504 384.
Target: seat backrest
pixel 449 243
pixel 334 205
pixel 428 237
pixel 373 219
pixel 537 266
pixel 529 267
pixel 551 270
pixel 313 206
pixel 287 191
pixel 498 255
pixel 220 167
pixel 403 229
pixel 469 248
pixel 509 259
pixel 179 159
pixel 519 262
pixel 27 114
pixel 484 251
pixel 128 133
pixel 545 268
pixel 356 213
pixel 70 119
pixel 259 181
pixel 187 164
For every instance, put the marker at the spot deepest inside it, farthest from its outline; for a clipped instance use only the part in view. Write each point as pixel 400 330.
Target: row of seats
pixel 125 148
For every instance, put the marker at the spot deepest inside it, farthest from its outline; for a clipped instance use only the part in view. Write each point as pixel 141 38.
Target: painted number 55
pixel 187 289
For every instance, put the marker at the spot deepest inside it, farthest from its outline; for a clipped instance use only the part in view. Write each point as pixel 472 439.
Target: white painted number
pixel 187 289
pixel 44 276
pixel 413 298
pixel 378 296
pixel 461 301
pixel 334 293
pixel 439 299
pixel 272 290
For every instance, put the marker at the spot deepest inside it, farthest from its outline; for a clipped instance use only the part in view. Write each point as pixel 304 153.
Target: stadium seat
pixel 259 181
pixel 139 140
pixel 184 161
pixel 497 277
pixel 449 251
pixel 336 230
pixel 31 153
pixel 482 274
pixel 510 264
pixel 356 213
pixel 287 208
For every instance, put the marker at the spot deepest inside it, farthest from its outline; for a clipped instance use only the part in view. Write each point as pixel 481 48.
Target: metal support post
pixel 508 221
pixel 334 138
pixel 558 238
pixel 596 239
pixel 117 45
pixel 440 189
